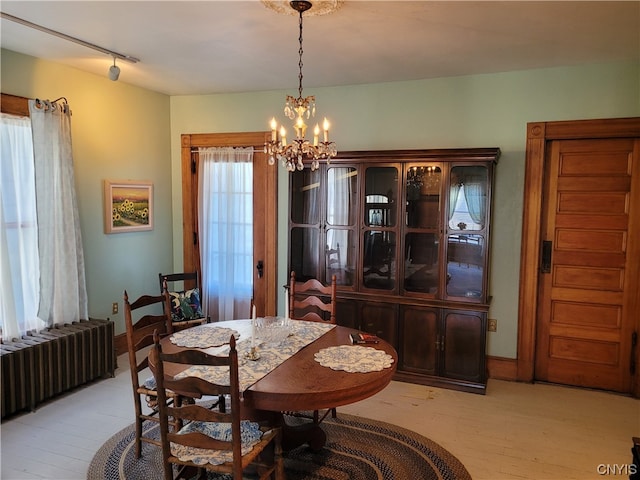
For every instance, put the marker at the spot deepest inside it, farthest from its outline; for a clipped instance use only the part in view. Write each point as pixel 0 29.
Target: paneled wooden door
pixel 265 215
pixel 588 280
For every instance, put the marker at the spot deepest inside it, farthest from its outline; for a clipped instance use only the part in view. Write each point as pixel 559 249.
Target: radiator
pixel 41 365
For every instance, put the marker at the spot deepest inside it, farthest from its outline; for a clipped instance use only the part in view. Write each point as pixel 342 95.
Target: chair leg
pixel 138 437
pixel 277 458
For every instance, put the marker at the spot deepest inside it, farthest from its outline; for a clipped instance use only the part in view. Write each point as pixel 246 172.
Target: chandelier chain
pixel 300 59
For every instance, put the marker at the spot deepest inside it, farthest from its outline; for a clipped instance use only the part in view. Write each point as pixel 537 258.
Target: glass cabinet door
pixel 422 193
pixel 466 231
pixel 341 214
pixel 305 209
pixel 380 220
pixel 422 228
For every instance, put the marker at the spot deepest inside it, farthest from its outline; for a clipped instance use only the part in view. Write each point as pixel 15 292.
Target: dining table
pixel 315 367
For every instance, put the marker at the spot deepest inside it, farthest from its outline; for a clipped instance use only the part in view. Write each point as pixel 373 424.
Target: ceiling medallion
pixel 320 7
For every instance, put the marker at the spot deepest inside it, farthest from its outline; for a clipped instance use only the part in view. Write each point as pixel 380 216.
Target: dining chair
pixel 185 303
pixel 333 262
pixel 312 300
pixel 139 336
pixel 222 439
pixel 315 302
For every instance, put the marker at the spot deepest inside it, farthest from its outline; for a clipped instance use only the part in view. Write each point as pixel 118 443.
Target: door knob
pixel 260 268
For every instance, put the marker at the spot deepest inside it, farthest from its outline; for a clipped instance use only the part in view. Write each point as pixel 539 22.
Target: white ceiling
pixel 205 47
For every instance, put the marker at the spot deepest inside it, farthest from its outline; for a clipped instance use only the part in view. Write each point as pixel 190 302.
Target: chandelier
pixel 417 177
pixel 293 154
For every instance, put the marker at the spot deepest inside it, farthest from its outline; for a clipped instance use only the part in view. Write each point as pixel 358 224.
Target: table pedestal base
pixel 308 432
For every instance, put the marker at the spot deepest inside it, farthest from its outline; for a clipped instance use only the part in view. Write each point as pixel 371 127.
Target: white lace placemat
pixel 203 336
pixel 354 358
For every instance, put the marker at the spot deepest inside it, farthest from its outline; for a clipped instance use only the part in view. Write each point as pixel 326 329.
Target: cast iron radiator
pixel 43 364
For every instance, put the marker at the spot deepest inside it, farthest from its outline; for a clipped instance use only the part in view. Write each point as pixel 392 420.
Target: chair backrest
pixel 196 387
pixel 189 279
pixel 140 332
pixel 312 300
pixel 333 262
pixel 186 305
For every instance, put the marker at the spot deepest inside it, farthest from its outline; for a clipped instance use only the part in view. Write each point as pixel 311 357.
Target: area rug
pixel 356 449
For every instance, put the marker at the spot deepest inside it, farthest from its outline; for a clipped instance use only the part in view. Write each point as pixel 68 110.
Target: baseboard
pixel 120 344
pixel 502 368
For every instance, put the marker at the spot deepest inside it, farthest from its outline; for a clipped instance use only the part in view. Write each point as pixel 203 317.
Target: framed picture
pixel 128 206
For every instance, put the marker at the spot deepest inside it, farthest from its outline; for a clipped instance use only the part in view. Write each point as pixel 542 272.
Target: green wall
pixel 472 111
pixel 124 132
pixel 118 132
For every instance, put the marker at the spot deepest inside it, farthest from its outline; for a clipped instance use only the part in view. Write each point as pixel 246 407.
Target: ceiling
pixel 206 47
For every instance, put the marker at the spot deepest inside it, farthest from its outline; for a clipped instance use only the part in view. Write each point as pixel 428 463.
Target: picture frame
pixel 128 206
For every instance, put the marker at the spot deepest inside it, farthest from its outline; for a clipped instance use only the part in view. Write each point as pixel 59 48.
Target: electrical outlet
pixel 493 325
pixel 114 308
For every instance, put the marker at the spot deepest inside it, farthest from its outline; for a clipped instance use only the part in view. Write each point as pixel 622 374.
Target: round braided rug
pixel 356 449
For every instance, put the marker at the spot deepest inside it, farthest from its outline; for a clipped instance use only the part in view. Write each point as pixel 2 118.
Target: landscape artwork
pixel 128 206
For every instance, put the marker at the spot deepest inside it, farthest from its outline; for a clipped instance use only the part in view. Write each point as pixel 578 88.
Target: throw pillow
pixel 185 305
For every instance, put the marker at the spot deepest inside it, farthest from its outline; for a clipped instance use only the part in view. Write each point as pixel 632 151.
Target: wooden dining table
pixel 300 383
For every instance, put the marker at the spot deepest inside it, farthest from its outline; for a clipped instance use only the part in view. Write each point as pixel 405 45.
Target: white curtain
pixel 475 192
pixel 63 292
pixel 225 224
pixel 339 206
pixel 19 268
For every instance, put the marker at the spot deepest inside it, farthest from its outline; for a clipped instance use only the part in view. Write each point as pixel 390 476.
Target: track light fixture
pixel 114 71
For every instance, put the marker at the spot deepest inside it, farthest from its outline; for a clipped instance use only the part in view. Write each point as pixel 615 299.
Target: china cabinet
pixel 406 232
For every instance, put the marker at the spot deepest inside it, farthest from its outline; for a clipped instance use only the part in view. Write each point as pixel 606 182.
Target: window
pixel 40 286
pixel 19 266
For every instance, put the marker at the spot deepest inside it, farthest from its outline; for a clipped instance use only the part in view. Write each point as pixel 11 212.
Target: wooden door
pixel 265 191
pixel 588 279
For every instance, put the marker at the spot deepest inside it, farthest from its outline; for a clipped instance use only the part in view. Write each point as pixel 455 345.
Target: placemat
pixel 203 336
pixel 354 358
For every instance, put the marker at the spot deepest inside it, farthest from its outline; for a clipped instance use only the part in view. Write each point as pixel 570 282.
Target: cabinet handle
pixel 442 343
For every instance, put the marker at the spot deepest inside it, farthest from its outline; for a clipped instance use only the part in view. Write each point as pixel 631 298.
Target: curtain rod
pixel 69 38
pixel 52 105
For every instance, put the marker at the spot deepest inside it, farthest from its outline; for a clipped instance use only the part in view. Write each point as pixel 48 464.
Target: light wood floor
pixel 515 431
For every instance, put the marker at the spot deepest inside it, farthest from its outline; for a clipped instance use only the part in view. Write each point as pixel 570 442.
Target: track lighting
pixel 114 71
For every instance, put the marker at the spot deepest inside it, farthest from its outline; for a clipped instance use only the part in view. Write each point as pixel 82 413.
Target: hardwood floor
pixel 515 431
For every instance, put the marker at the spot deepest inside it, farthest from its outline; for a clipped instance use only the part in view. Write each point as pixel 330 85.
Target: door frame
pixel 538 136
pixel 267 226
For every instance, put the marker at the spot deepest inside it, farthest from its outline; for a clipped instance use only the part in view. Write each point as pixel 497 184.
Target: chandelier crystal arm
pixel 292 155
